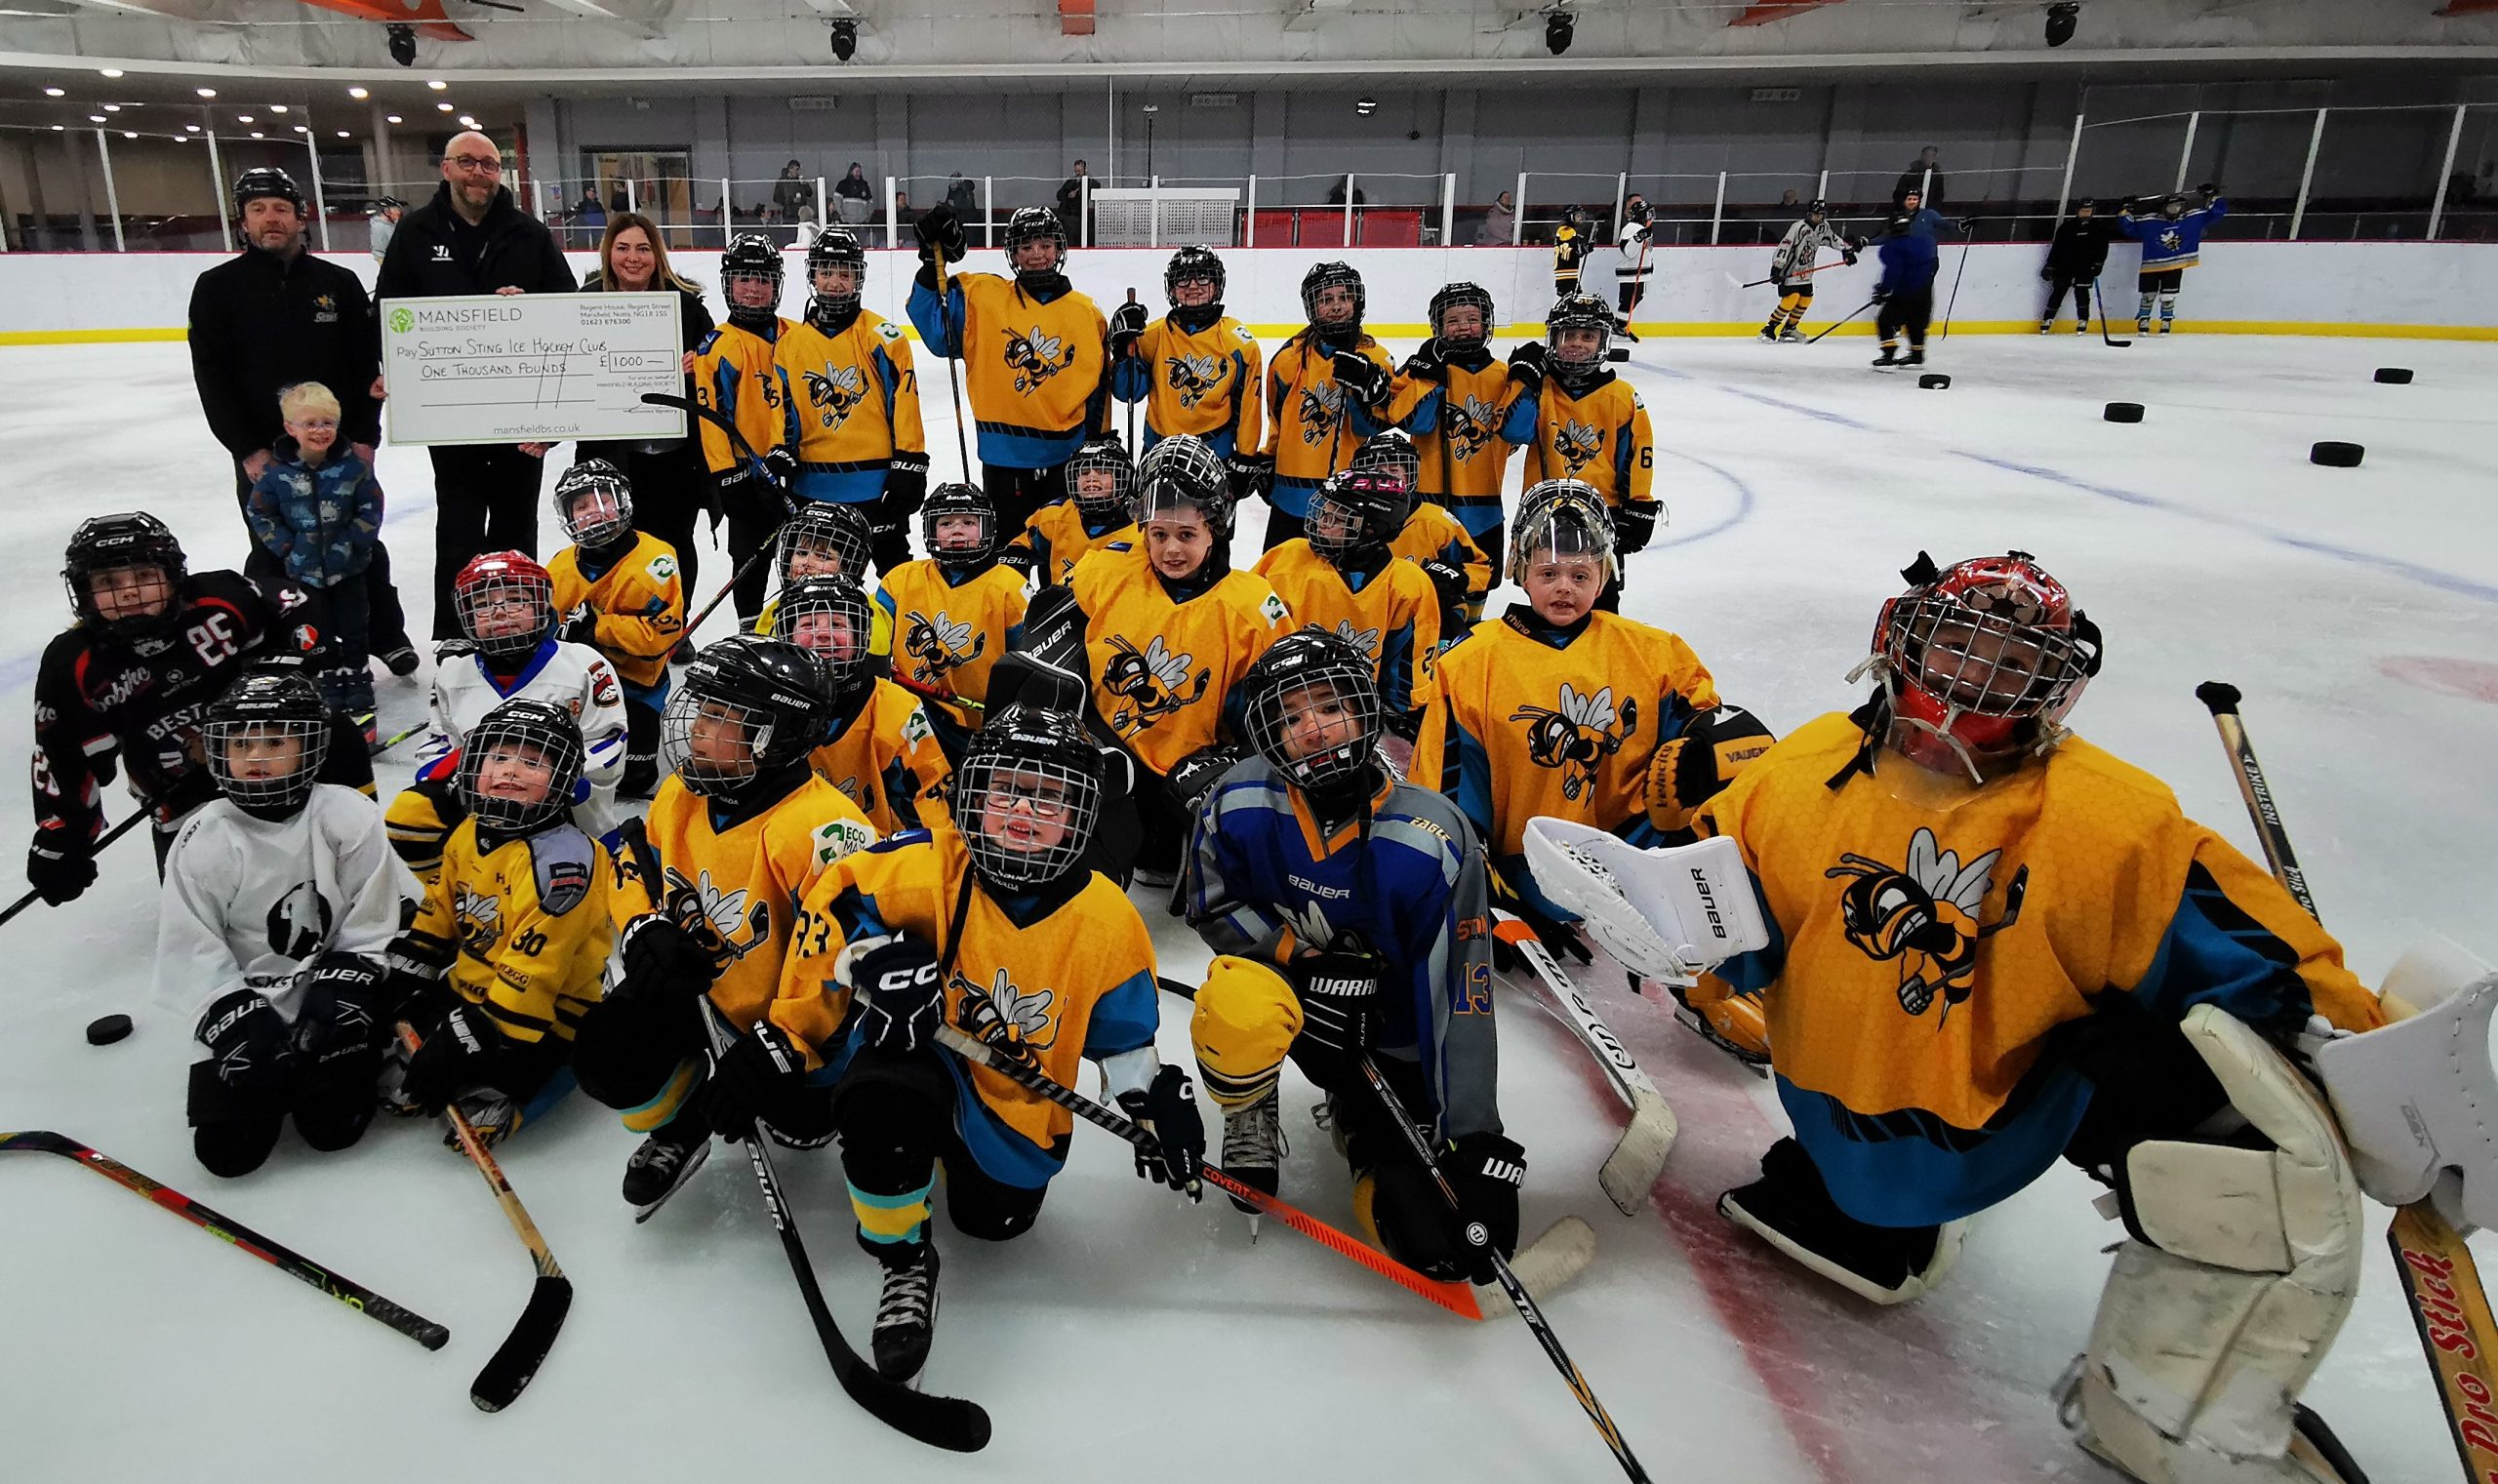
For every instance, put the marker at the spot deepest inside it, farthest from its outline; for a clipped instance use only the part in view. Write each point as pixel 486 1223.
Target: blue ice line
pixel 1743 501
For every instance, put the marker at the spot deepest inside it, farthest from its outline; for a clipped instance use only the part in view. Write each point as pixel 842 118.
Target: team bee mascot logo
pixel 722 923
pixel 2171 240
pixel 1017 1024
pixel 834 393
pixel 861 795
pixel 1365 640
pixel 480 918
pixel 1037 357
pixel 1192 377
pixel 1578 733
pixel 1320 408
pixel 1926 916
pixel 1469 426
pixel 937 644
pixel 1577 446
pixel 1149 684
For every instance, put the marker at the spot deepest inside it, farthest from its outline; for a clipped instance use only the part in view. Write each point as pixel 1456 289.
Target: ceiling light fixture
pixel 112 72
pixel 55 91
pixel 359 93
pixel 208 91
pixel 436 83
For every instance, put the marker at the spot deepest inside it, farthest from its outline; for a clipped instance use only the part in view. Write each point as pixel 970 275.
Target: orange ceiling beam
pixel 1780 9
pixel 426 16
pixel 1075 17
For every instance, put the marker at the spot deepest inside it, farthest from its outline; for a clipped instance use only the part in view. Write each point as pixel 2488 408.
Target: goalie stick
pixel 277 1254
pixel 510 1369
pixel 1640 1152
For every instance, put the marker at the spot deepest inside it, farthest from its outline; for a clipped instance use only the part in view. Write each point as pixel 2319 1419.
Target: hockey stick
pixel 1638 292
pixel 510 1369
pixel 109 836
pixel 2440 1282
pixel 953 348
pixel 1518 1294
pixel 1955 300
pixel 1791 277
pixel 1834 323
pixel 713 417
pixel 387 742
pixel 1148 385
pixel 284 1258
pixel 2101 295
pixel 1640 1152
pixel 1456 1297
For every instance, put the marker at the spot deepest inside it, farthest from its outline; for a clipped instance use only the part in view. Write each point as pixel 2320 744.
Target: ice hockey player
pixel 1572 241
pixel 1905 296
pixel 1098 509
pixel 618 590
pixel 1590 425
pixel 822 540
pixel 515 647
pixel 1431 538
pixel 1196 370
pixel 1348 916
pixel 996 928
pixel 949 610
pixel 505 953
pixel 737 375
pixel 1798 256
pixel 1329 379
pixel 2073 260
pixel 2172 242
pixel 1471 415
pixel 154 646
pixel 1631 271
pixel 1940 1033
pixel 1342 578
pixel 281 898
pixel 1034 351
pixel 706 893
pixel 852 410
pixel 880 750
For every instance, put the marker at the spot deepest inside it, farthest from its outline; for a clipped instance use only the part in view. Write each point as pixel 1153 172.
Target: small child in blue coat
pixel 317 509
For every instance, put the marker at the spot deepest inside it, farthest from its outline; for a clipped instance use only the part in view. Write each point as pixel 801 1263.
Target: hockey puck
pixel 2123 411
pixel 105 1031
pixel 2336 455
pixel 1933 380
pixel 2395 376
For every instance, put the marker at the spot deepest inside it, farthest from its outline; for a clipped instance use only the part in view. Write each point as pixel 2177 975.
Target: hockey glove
pixel 898 978
pixel 59 876
pixel 1634 523
pixel 1169 1112
pixel 764 1070
pixel 1021 560
pixel 1127 327
pixel 662 961
pixel 580 626
pixel 1194 775
pixel 781 466
pixel 1340 997
pixel 1526 367
pixel 1451 582
pixel 1365 381
pixel 1778 284
pixel 1688 772
pixel 1485 1170
pixel 1847 255
pixel 247 1044
pixel 1882 295
pixel 2208 190
pixel 464 1051
pixel 1560 939
pixel 1429 364
pixel 940 231
pixel 1252 474
pixel 906 486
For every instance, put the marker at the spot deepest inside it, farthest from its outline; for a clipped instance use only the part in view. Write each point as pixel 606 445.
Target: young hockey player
pixel 1631 271
pixel 1905 296
pixel 1572 241
pixel 1033 353
pixel 154 646
pixel 2073 260
pixel 880 753
pixel 852 411
pixel 1590 426
pixel 515 647
pixel 736 373
pixel 950 610
pixel 281 898
pixel 1431 538
pixel 618 592
pixel 1331 378
pixel 2172 242
pixel 1471 415
pixel 822 540
pixel 738 830
pixel 505 952
pixel 1792 266
pixel 1342 578
pixel 1098 509
pixel 316 511
pixel 1196 372
pixel 1348 917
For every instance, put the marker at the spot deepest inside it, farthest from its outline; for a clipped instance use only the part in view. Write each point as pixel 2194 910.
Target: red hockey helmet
pixel 506 603
pixel 1981 661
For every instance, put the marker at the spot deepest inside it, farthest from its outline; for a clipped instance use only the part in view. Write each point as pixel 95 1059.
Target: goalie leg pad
pixel 1247 1018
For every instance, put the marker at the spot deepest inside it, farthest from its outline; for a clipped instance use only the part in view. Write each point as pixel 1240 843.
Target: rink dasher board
pixel 531 368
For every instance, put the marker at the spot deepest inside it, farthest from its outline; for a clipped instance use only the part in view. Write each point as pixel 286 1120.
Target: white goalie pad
pixel 2418 1099
pixel 1666 913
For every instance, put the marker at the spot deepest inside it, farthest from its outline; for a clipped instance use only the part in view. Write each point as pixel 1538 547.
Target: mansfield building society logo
pixel 402 320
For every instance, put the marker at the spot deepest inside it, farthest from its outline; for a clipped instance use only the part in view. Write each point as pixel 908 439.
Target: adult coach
pixel 264 319
pixel 471 239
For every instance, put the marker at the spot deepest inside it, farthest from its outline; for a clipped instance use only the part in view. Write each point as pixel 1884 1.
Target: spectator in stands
pixel 1499 223
pixel 589 213
pixel 1914 178
pixel 809 229
pixel 789 193
pixel 858 198
pixel 617 200
pixel 1070 197
pixel 385 221
pixel 1336 195
pixel 1788 204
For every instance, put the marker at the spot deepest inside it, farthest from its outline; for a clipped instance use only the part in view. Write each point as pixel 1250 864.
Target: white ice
pixel 1130 1336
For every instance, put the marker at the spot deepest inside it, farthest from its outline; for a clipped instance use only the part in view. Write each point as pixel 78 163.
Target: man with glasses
pixel 471 238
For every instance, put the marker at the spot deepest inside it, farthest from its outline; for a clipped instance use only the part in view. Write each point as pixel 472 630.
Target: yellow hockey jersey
pixel 640 602
pixel 1166 674
pixel 1311 433
pixel 732 881
pixel 947 634
pixel 736 374
pixel 1393 616
pixel 881 624
pixel 1928 938
pixel 1033 370
pixel 1472 418
pixel 1204 383
pixel 1602 437
pixel 1060 980
pixel 1432 534
pixel 1570 248
pixel 1057 538
pixel 517 927
pixel 851 405
pixel 885 759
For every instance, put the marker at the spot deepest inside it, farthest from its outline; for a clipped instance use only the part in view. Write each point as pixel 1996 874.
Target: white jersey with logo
pixel 573 676
pixel 1636 260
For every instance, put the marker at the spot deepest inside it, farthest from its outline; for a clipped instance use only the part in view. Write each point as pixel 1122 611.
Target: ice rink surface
pixel 1130 1337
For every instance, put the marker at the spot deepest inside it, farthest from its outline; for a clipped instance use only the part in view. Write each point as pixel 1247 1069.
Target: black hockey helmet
pixel 534 735
pixel 105 543
pixel 267 181
pixel 836 246
pixel 1332 275
pixel 1182 474
pixel 604 524
pixel 751 255
pixel 948 501
pixel 1578 311
pixel 1636 209
pixel 1104 455
pixel 821 531
pixel 1027 796
pixel 1193 264
pixel 1818 210
pixel 1311 709
pixel 486 593
pixel 1390 452
pixel 2173 205
pixel 1035 224
pixel 832 618
pixel 1357 513
pixel 1565 518
pixel 1453 295
pixel 265 739
pixel 747 707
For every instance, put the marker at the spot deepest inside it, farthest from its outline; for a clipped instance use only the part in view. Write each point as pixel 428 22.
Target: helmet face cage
pixel 267 742
pixel 489 597
pixel 952 502
pixel 1579 311
pixel 751 256
pixel 1182 474
pixel 1314 710
pixel 836 248
pixel 1331 275
pixel 747 707
pixel 1456 295
pixel 1101 455
pixel 586 521
pixel 110 543
pixel 2174 206
pixel 1035 224
pixel 1354 513
pixel 1818 210
pixel 1027 798
pixel 1562 518
pixel 1391 454
pixel 518 766
pixel 821 531
pixel 829 618
pixel 1193 264
pixel 1977 656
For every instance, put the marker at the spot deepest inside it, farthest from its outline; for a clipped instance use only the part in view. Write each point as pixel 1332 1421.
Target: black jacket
pixel 2080 249
pixel 259 322
pixel 433 253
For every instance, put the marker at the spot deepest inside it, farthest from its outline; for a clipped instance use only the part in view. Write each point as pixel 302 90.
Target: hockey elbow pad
pixel 1690 770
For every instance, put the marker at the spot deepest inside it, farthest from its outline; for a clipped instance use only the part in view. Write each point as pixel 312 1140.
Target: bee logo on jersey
pixel 480 918
pixel 1926 916
pixel 1364 639
pixel 721 923
pixel 1321 406
pixel 1149 682
pixel 1192 377
pixel 1017 1024
pixel 834 394
pixel 858 793
pixel 1469 426
pixel 937 644
pixel 1037 357
pixel 1577 732
pixel 2172 239
pixel 1577 446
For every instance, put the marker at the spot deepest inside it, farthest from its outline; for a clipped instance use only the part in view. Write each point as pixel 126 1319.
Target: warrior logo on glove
pixel 1578 733
pixel 1578 444
pixel 1149 682
pixel 1037 357
pixel 1192 377
pixel 1926 917
pixel 836 394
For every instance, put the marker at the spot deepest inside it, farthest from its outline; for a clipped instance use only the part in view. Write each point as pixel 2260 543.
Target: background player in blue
pixel 2172 242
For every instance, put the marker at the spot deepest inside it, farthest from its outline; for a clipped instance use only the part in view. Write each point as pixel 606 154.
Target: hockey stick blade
pixel 525 1348
pixel 2098 294
pixel 1640 1154
pixel 1553 1261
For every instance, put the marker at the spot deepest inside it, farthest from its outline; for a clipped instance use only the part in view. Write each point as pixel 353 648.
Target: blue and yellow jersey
pixel 1063 978
pixel 1925 947
pixel 1032 370
pixel 1308 432
pixel 1058 537
pixel 736 376
pixel 851 404
pixel 1602 437
pixel 2167 244
pixel 1166 671
pixel 1391 614
pixel 885 759
pixel 949 627
pixel 1432 534
pixel 640 602
pixel 1204 383
pixel 517 927
pixel 1470 418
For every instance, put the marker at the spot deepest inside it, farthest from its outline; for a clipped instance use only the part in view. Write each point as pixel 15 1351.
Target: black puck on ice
pixel 1933 380
pixel 2336 455
pixel 105 1031
pixel 2123 411
pixel 2395 376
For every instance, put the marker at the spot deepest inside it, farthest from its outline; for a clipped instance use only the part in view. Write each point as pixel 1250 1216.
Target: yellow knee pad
pixel 1247 1018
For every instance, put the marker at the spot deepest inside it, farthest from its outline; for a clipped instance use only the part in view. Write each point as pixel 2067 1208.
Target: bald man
pixel 471 239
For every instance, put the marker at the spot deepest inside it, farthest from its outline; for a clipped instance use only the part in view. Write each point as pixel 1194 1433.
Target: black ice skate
pixel 1769 332
pixel 1889 358
pixel 1916 356
pixel 906 1315
pixel 2046 325
pixel 1253 1149
pixel 1790 335
pixel 666 1160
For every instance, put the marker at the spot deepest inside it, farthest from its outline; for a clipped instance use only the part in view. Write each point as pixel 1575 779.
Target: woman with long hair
pixel 667 475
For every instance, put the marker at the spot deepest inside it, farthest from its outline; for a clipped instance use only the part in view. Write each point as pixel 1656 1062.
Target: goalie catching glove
pixel 1666 913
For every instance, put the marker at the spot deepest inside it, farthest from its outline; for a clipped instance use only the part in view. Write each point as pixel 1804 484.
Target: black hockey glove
pixel 1527 363
pixel 1169 1112
pixel 940 231
pixel 59 876
pixel 1847 255
pixel 1191 776
pixel 781 466
pixel 1127 327
pixel 1365 381
pixel 1776 282
pixel 1429 364
pixel 898 978
pixel 1451 582
pixel 248 1046
pixel 906 486
pixel 1880 295
pixel 1691 769
pixel 1634 524
pixel 1252 474
pixel 763 1070
pixel 1967 226
pixel 2210 190
pixel 580 626
pixel 662 961
pixel 463 1051
pixel 1485 1170
pixel 1340 997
